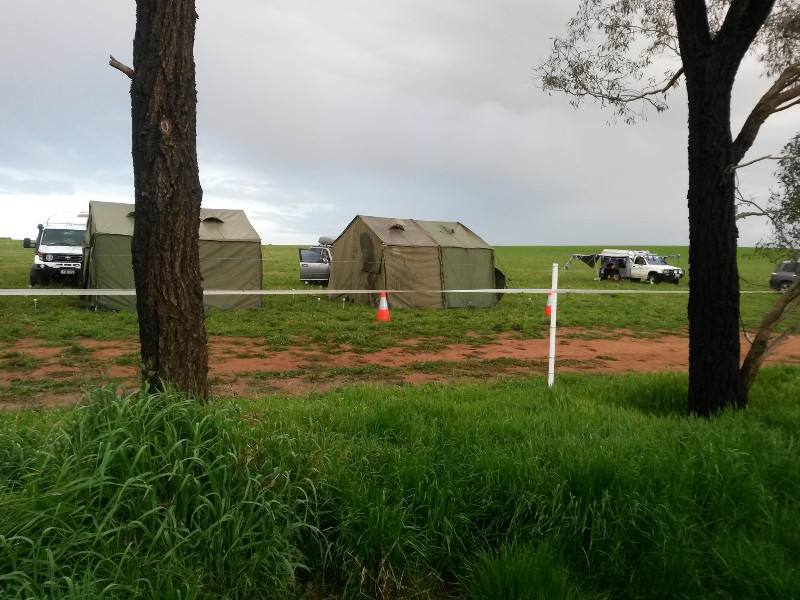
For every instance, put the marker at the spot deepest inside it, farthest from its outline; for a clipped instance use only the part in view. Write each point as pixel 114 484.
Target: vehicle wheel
pixel 34 277
pixel 676 281
pixel 652 278
pixel 784 285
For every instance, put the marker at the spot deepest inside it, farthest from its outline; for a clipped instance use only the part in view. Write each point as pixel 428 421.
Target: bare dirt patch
pixel 244 367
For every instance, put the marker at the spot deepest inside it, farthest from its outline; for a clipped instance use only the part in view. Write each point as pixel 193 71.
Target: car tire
pixel 783 286
pixel 652 278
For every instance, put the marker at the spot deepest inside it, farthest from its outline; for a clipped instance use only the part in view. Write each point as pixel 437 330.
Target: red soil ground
pixel 243 367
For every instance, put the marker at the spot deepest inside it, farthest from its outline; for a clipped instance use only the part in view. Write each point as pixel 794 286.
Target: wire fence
pixel 316 291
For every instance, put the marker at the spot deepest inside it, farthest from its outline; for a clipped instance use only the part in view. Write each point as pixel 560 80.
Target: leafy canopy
pixel 783 206
pixel 624 54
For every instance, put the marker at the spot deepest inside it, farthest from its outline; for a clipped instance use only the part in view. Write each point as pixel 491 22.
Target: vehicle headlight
pixel 49 258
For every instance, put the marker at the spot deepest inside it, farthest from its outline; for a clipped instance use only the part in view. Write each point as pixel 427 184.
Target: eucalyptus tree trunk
pixel 710 65
pixel 714 344
pixel 166 263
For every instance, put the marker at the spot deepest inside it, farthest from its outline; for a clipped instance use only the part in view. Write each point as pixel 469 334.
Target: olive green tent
pixel 425 259
pixel 230 256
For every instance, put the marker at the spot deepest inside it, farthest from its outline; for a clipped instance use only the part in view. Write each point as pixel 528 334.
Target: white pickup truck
pixel 636 265
pixel 59 248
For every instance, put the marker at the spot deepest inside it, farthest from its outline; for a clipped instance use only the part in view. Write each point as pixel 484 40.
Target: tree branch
pixel 759 212
pixel 625 98
pixel 121 67
pixel 661 90
pixel 754 161
pixel 742 21
pixel 790 105
pixel 783 94
pixel 763 344
pixel 745 215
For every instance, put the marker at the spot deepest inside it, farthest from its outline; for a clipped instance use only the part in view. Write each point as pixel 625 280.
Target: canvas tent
pixel 230 256
pixel 425 257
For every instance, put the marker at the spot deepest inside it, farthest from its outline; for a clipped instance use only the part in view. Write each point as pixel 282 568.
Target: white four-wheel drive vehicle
pixel 59 248
pixel 637 265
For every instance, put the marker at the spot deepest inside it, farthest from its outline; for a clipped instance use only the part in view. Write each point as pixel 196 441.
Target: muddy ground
pixel 244 367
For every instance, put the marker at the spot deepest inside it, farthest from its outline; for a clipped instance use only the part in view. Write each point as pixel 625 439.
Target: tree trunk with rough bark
pixel 714 382
pixel 166 263
pixel 710 65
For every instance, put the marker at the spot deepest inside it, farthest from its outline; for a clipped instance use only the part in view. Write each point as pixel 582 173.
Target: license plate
pixel 68 271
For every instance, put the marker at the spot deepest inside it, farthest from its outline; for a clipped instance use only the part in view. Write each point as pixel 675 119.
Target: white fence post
pixel 551 369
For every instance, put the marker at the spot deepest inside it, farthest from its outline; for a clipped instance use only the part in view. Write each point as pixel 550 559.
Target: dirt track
pixel 243 367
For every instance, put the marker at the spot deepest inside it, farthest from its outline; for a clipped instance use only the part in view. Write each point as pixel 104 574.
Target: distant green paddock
pixel 525 266
pixel 316 318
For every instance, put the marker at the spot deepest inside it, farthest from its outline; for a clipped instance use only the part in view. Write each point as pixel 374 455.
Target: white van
pixel 59 249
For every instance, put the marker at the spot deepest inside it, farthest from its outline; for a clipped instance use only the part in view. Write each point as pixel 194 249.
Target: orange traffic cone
pixel 548 309
pixel 383 309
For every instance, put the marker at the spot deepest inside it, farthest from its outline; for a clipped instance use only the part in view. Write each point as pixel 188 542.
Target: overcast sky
pixel 311 112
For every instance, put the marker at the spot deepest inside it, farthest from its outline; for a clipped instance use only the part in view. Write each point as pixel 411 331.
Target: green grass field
pixel 321 320
pixel 599 488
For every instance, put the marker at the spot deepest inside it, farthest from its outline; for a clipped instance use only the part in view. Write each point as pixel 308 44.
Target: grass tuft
pixel 146 495
pixel 532 573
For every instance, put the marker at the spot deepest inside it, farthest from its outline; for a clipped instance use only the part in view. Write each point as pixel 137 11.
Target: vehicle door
pixel 313 265
pixel 639 268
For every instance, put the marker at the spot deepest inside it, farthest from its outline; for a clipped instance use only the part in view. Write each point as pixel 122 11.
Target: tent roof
pixel 220 224
pixel 413 232
pixel 452 235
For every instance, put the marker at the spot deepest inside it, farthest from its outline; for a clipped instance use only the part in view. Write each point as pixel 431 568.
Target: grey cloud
pixel 41 186
pixel 312 112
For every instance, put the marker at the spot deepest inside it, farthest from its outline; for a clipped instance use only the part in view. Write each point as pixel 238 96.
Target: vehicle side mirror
pixel 26 243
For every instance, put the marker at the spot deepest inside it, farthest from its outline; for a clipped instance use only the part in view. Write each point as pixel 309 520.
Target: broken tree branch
pixel 120 66
pixel 754 161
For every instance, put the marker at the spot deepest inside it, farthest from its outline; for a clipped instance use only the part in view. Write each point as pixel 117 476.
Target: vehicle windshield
pixel 62 237
pixel 656 260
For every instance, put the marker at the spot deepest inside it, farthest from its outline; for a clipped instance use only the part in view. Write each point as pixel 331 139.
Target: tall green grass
pixel 145 496
pixel 587 482
pixel 597 488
